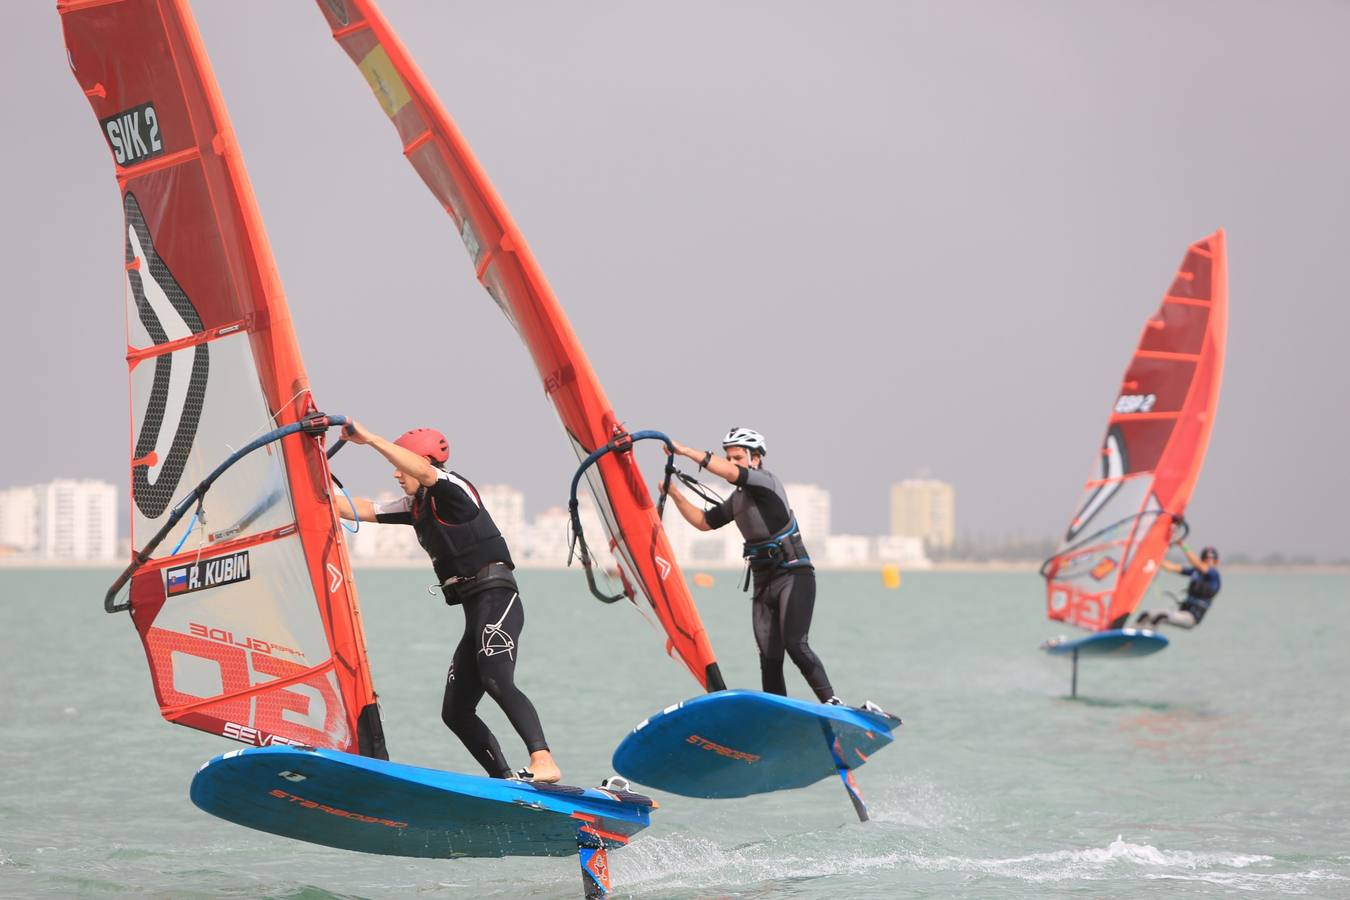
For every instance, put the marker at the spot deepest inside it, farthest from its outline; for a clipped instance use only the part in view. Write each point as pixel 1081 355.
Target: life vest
pixel 1201 591
pixel 458 551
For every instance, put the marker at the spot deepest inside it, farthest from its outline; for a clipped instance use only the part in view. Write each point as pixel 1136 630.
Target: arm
pixel 365 509
pixel 692 514
pixel 1200 565
pixel 406 461
pixel 1169 565
pixel 720 467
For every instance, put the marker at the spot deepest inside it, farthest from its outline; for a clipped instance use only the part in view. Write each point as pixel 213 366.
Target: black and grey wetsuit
pixel 472 561
pixel 784 579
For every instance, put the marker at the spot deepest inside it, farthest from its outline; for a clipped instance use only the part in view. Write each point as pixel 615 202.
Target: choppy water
pixel 1216 767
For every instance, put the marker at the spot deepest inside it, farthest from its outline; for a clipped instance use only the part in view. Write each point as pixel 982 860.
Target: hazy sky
pixel 894 237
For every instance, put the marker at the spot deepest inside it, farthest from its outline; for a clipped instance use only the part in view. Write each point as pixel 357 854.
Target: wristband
pixel 707 458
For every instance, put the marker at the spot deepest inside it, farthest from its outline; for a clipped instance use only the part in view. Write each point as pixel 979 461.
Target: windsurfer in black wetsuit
pixel 784 578
pixel 474 566
pixel 1203 587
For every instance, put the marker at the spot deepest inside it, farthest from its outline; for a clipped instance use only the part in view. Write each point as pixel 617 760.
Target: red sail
pixel 1156 437
pixel 249 618
pixel 505 266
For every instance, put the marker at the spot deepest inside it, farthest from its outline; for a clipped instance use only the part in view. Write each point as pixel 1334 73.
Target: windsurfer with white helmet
pixel 784 578
pixel 1203 587
pixel 475 570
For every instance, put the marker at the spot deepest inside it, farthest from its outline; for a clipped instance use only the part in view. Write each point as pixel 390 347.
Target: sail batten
pixel 1157 435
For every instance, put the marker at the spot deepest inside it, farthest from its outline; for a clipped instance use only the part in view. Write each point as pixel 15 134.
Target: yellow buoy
pixel 890 575
pixel 703 580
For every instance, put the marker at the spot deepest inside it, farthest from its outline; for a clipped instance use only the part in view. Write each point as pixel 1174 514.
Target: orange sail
pixel 1156 438
pixel 505 266
pixel 249 621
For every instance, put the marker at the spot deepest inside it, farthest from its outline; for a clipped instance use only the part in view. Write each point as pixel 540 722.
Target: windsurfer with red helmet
pixel 784 577
pixel 475 570
pixel 1203 572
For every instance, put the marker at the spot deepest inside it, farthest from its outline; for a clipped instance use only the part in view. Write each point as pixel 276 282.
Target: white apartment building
pixel 507 508
pixel 846 551
pixel 374 543
pixel 811 505
pixel 65 519
pixel 906 552
pixel 19 520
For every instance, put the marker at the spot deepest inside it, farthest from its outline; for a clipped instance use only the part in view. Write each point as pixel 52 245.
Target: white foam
pixel 688 861
pixel 1090 863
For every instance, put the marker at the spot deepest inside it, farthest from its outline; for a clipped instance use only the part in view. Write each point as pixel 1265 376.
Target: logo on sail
pixel 133 134
pixel 208 573
pixel 173 408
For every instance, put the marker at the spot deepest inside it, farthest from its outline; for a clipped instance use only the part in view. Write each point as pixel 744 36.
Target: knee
pixel 800 652
pixel 457 715
pixel 497 686
pixel 770 662
pixel 453 718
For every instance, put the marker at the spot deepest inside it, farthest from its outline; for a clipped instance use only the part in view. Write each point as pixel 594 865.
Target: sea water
pixel 1218 766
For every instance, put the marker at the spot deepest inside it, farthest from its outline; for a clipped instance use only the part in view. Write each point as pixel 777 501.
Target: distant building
pixel 924 509
pixel 847 550
pixel 374 542
pixel 19 520
pixel 811 505
pixel 544 542
pixel 906 552
pixel 507 507
pixel 65 519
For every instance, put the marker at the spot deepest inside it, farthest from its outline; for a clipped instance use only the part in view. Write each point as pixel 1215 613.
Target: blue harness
pixel 785 550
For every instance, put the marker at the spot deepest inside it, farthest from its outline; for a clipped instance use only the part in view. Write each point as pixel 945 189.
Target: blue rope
pixel 183 540
pixel 356 516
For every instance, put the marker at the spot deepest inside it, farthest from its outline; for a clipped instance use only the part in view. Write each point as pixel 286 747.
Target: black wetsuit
pixel 472 560
pixel 784 579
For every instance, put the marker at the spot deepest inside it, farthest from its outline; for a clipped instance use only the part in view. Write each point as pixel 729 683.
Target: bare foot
pixel 544 768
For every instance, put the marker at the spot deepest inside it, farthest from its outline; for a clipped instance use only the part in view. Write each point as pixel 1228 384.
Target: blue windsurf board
pixel 376 806
pixel 1119 642
pixel 738 743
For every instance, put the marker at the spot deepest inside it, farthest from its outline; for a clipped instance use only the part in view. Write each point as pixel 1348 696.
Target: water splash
pixel 687 861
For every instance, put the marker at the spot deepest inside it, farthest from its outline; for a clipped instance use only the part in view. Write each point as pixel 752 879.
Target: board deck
pixel 375 806
pixel 738 743
pixel 1118 642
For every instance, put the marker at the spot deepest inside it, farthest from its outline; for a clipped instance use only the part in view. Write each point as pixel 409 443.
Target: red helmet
pixel 425 442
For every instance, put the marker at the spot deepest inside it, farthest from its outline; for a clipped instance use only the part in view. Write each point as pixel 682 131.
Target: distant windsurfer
pixel 1203 587
pixel 784 578
pixel 474 566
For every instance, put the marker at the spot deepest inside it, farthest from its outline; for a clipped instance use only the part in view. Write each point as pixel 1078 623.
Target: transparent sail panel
pixel 183 429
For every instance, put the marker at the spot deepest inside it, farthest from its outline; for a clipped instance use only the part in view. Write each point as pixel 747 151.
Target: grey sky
pixel 890 236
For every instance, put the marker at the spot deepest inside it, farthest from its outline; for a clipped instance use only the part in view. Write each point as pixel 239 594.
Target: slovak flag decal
pixel 176 581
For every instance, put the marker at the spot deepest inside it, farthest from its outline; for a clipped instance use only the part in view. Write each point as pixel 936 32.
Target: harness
pixel 459 588
pixel 785 550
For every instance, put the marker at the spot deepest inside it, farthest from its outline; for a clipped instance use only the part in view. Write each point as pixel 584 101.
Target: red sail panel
pixel 505 266
pixel 249 617
pixel 1155 444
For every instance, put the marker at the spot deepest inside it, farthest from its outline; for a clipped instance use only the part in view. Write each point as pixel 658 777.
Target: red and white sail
pixel 251 629
pixel 503 263
pixel 1156 437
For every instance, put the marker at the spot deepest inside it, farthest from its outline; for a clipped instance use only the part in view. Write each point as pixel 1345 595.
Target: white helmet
pixel 745 437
